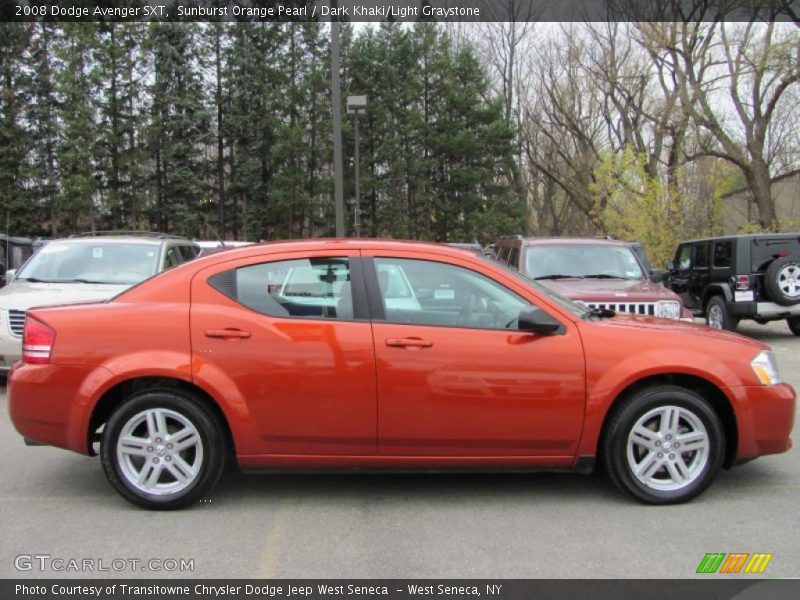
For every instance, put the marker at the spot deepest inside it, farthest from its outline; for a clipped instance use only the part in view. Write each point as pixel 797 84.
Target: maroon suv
pixel 600 273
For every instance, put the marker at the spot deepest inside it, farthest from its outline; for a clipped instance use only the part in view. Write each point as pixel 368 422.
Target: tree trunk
pixel 760 183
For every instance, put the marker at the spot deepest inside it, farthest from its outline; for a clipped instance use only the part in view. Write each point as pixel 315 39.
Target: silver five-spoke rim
pixel 715 316
pixel 668 448
pixel 788 281
pixel 159 451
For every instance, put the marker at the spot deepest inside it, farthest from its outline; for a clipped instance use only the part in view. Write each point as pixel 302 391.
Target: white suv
pixel 85 268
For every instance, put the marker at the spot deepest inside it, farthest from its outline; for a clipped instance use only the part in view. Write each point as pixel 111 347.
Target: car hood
pixel 610 290
pixel 22 295
pixel 654 324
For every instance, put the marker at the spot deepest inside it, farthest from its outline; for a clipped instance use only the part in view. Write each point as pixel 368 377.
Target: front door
pixel 290 338
pixel 455 377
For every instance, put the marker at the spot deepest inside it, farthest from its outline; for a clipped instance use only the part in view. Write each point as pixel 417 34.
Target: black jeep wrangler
pixel 726 279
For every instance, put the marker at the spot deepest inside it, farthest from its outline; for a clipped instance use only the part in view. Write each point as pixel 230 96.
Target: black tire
pixel 794 325
pixel 207 457
pixel 778 281
pixel 718 316
pixel 703 464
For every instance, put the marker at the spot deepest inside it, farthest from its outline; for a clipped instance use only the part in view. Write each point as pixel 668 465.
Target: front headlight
pixel 766 368
pixel 668 309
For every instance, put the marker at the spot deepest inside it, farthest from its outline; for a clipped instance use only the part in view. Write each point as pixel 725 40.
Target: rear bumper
pixel 48 404
pixel 766 421
pixel 766 310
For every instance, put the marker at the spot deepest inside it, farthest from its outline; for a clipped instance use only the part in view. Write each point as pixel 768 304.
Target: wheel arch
pixel 705 388
pixel 717 289
pixel 116 394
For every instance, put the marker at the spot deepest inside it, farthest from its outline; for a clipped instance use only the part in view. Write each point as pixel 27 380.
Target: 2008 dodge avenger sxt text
pixel 378 355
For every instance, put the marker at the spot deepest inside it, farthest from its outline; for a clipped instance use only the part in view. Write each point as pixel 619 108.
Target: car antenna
pixel 214 232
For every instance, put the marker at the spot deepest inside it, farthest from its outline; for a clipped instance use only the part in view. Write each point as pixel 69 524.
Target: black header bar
pixel 407 11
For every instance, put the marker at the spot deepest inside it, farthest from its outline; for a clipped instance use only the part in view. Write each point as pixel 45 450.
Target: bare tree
pixel 733 78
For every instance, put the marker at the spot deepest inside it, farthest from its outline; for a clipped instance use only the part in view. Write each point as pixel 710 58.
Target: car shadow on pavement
pixel 72 478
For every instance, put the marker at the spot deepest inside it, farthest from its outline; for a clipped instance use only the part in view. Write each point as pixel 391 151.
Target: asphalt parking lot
pixel 464 526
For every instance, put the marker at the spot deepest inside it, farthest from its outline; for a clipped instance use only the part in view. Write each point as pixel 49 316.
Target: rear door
pixel 289 337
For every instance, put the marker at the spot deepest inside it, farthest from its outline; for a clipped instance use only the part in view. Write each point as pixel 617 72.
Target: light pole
pixel 357 105
pixel 336 109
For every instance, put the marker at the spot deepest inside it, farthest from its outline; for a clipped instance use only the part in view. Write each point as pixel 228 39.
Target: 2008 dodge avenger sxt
pixel 379 355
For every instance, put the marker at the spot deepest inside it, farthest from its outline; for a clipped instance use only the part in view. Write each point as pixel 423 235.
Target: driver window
pixel 685 258
pixel 421 292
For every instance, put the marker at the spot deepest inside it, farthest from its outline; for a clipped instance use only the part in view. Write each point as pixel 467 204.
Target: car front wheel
pixel 663 445
pixel 718 317
pixel 161 450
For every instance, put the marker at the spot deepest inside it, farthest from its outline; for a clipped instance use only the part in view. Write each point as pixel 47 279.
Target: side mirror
pixel 535 320
pixel 10 275
pixel 657 275
pixel 670 265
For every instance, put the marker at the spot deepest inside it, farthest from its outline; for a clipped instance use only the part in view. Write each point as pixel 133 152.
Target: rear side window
pixel 172 258
pixel 189 252
pixel 722 255
pixel 308 287
pixel 513 260
pixel 701 256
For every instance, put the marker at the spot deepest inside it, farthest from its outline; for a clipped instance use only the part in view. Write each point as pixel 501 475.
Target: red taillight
pixel 742 282
pixel 37 342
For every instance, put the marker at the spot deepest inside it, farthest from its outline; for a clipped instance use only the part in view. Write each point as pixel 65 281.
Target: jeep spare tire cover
pixel 782 281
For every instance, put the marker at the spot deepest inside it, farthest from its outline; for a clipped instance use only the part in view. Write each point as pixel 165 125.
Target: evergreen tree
pixel 179 129
pixel 15 206
pixel 40 169
pixel 79 182
pixel 118 79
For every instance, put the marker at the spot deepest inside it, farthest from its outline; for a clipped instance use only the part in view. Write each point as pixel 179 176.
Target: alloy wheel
pixel 668 448
pixel 159 451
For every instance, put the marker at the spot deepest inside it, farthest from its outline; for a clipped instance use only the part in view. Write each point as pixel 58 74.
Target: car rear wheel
pixel 794 325
pixel 782 281
pixel 663 445
pixel 161 450
pixel 718 317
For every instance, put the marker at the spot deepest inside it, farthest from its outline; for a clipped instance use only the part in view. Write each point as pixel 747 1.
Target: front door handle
pixel 228 334
pixel 408 343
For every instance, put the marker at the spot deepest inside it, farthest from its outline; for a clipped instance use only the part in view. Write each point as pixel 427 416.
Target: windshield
pixel 584 260
pixel 98 262
pixel 579 310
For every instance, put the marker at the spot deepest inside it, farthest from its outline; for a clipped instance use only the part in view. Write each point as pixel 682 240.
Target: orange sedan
pixel 372 354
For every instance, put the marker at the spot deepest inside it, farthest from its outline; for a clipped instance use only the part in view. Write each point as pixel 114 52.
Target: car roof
pixel 742 236
pixel 336 243
pixel 122 239
pixel 571 241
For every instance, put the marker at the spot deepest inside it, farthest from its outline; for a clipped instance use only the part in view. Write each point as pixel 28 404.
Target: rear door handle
pixel 408 343
pixel 228 334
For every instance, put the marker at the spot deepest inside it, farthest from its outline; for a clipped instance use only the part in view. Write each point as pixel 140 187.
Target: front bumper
pixel 10 347
pixel 766 421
